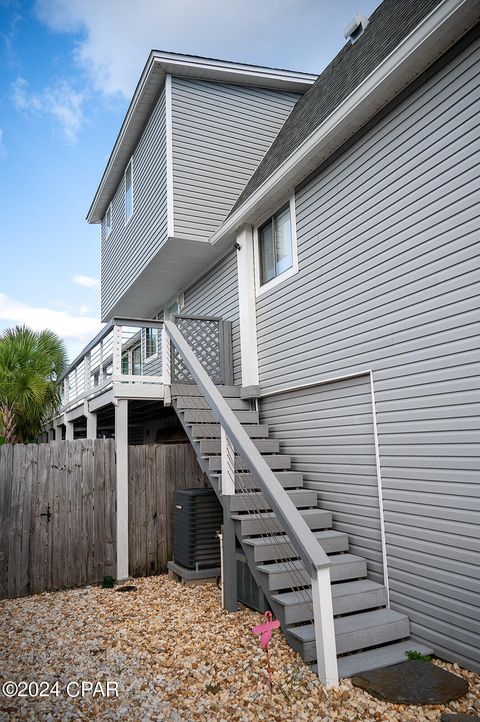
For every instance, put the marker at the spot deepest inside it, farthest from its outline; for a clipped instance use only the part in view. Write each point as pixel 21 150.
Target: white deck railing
pixel 132 351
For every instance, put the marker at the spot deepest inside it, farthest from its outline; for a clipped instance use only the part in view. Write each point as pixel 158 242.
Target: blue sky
pixel 68 69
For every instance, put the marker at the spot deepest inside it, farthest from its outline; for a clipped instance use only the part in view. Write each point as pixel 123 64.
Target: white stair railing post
pixel 166 368
pixel 229 557
pixel 117 351
pixel 87 371
pixel 327 668
pixel 100 362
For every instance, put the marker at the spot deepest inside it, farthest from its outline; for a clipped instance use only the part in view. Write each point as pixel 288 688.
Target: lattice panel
pixel 203 335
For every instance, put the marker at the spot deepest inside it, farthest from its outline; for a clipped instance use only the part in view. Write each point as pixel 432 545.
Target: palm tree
pixel 30 364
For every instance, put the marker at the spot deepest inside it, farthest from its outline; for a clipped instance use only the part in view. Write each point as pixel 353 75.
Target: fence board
pixel 75 481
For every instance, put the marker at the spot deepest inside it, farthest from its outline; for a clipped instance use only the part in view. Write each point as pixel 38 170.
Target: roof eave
pixel 158 65
pixel 446 24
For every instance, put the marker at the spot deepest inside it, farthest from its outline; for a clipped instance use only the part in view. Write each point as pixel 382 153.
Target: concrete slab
pixel 412 682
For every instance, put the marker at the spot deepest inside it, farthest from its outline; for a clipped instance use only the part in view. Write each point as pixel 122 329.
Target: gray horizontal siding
pixel 216 294
pixel 328 432
pixel 128 249
pixel 388 280
pixel 220 133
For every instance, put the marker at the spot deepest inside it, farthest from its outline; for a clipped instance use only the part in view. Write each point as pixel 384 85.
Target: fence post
pixel 229 572
pixel 121 449
pixel 324 627
pixel 166 368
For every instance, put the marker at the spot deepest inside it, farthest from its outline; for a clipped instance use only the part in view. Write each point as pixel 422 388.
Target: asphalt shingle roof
pixel 391 22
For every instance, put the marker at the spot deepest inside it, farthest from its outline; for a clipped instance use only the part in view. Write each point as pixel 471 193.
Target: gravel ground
pixel 176 656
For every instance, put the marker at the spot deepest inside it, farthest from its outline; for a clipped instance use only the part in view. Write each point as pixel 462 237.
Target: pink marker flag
pixel 265 630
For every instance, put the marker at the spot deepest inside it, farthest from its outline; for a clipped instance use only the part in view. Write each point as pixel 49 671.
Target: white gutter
pixel 428 41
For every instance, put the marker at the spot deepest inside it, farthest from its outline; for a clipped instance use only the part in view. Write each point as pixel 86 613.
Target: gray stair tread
pixel 295 478
pixel 255 499
pixel 378 657
pixel 179 389
pixel 283 538
pixel 196 416
pixel 339 559
pixel 280 567
pixel 305 513
pixel 351 623
pixel 274 461
pixel 360 586
pixel 212 429
pixel 265 446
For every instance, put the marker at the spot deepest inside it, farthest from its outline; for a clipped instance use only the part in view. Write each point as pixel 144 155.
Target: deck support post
pixel 229 571
pixel 69 430
pixel 121 449
pixel 324 627
pixel 91 421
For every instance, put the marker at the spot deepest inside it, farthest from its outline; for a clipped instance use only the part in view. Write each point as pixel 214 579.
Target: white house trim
pixel 247 307
pixel 169 146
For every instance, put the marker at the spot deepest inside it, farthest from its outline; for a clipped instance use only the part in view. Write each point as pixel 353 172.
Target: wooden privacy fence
pixel 57 511
pixel 155 471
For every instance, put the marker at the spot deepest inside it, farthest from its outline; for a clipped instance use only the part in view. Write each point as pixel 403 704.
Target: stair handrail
pixel 301 536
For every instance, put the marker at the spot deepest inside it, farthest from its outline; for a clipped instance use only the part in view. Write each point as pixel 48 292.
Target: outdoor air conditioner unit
pixel 198 516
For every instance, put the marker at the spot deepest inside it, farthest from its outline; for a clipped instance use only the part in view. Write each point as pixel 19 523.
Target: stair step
pixel 198 402
pixel 274 461
pixel 266 522
pixel 255 501
pixel 192 390
pixel 212 431
pixel 347 597
pixel 243 481
pixel 353 632
pixel 378 657
pixel 285 575
pixel 198 416
pixel 347 566
pixel 265 446
pixel 280 547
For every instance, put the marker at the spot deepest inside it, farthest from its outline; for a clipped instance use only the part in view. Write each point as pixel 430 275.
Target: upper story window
pixel 108 221
pixel 128 191
pixel 276 248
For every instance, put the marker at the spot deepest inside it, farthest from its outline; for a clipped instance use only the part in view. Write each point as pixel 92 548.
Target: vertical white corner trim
pixel 247 307
pixel 380 491
pixel 121 449
pixel 169 146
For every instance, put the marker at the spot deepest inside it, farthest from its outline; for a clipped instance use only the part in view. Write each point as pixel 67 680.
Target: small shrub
pixel 413 654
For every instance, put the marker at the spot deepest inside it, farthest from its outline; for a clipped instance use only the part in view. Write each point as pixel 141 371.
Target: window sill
pixel 266 287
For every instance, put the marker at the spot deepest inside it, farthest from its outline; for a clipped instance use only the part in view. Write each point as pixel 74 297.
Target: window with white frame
pixel 128 191
pixel 108 221
pixel 151 343
pixel 276 247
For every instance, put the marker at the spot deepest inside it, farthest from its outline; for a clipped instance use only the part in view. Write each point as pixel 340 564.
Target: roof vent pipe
pixel 355 27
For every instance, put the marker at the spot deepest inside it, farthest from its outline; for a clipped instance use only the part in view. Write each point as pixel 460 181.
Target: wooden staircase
pixel 368 634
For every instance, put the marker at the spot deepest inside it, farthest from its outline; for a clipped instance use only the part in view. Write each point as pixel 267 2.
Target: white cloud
pixel 117 35
pixel 60 303
pixel 87 282
pixel 76 331
pixel 84 310
pixel 3 152
pixel 59 101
